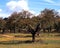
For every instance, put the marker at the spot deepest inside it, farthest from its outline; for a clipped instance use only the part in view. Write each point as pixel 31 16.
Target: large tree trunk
pixel 33 37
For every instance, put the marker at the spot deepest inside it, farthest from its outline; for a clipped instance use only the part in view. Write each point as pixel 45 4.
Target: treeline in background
pixel 21 22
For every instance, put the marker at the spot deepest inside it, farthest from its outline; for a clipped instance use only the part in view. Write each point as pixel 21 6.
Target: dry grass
pixel 44 41
pixel 31 46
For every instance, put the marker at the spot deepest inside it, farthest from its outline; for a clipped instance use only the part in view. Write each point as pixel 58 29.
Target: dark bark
pixel 33 37
pixel 33 32
pixel 3 31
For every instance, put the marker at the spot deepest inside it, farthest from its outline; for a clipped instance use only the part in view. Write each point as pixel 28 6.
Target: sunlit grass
pixel 19 40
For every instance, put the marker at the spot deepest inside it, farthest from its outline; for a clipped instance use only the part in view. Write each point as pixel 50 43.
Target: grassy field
pixel 19 40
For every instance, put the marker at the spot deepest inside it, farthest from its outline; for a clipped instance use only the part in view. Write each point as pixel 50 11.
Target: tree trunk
pixel 43 30
pixel 3 30
pixel 33 37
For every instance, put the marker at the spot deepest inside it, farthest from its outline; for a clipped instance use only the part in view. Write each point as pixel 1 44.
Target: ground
pixel 20 40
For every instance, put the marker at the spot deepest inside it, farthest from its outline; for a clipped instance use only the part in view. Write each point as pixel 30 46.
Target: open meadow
pixel 20 40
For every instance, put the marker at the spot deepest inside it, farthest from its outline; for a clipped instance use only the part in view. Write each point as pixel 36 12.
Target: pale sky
pixel 34 6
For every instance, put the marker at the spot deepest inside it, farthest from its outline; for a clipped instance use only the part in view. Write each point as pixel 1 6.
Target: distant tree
pixel 11 22
pixel 17 21
pixel 48 18
pixel 25 14
pixel 2 25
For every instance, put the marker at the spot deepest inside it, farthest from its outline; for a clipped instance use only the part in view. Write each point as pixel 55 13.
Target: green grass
pixel 32 45
pixel 19 40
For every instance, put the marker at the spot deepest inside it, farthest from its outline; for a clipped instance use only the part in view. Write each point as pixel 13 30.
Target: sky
pixel 7 7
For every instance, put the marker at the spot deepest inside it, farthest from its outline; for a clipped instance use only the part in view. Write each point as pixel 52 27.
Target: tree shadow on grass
pixel 15 42
pixel 20 42
pixel 18 36
pixel 57 35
